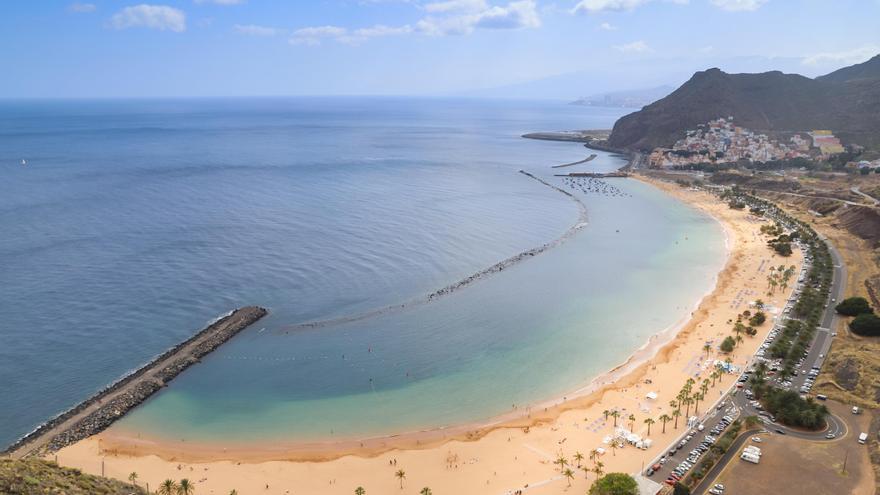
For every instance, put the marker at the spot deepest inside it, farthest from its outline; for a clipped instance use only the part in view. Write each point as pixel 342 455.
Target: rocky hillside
pixel 846 101
pixel 33 477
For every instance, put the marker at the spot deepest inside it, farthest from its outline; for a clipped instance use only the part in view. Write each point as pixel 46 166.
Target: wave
pixel 461 284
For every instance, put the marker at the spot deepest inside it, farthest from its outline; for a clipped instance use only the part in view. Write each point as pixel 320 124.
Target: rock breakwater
pixel 108 405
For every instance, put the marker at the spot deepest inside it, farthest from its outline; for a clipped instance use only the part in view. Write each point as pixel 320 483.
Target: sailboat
pixel 23 162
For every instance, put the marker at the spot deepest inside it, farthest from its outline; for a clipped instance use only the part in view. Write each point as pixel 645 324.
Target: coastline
pixel 521 445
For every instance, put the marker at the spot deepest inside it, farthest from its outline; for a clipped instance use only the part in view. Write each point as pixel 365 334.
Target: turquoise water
pixel 136 222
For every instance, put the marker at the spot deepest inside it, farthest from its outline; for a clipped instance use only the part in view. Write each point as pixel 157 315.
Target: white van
pixel 863 437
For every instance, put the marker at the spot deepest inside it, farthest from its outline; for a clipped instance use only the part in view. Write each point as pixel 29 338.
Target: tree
pixel 427 491
pixel 568 473
pixel 758 319
pixel 606 412
pixel 708 348
pixel 597 469
pixel 562 461
pixel 679 489
pixel 676 414
pixel 649 422
pixel 185 487
pixel 233 492
pixel 759 303
pixel 360 491
pixel 728 344
pixel 578 457
pixel 853 306
pixel 665 418
pixel 401 475
pixel 133 478
pixel 615 414
pixel 632 422
pixel 168 487
pixel 615 484
pixel 866 324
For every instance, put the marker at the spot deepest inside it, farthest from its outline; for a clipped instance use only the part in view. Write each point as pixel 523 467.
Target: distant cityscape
pixel 721 141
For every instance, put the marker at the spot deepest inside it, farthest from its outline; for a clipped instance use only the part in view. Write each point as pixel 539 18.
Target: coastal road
pixel 709 480
pixel 739 406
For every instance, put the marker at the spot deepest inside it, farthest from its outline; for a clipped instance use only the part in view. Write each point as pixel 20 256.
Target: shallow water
pixel 135 222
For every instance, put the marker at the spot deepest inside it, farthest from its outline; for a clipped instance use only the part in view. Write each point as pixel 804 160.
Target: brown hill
pixel 846 101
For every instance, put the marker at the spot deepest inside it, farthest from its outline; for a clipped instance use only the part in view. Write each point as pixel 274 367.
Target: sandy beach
pixel 513 452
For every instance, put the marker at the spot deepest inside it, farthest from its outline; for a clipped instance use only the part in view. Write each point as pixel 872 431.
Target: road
pixel 870 198
pixel 739 406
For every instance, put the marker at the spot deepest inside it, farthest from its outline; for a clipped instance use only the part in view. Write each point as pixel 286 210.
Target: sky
pixel 527 48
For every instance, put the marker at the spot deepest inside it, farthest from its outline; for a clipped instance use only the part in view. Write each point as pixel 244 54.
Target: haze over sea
pixel 135 222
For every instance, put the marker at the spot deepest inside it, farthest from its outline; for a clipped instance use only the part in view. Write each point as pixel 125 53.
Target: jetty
pixel 595 175
pixel 99 411
pixel 585 160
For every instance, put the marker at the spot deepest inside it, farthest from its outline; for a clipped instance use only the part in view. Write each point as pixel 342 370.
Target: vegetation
pixel 33 477
pixel 679 489
pixel 867 324
pixel 615 484
pixel 853 306
pixel 758 319
pixel 790 409
pixel 728 344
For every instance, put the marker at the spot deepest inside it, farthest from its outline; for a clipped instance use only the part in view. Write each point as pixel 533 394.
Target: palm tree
pixel 613 447
pixel 598 469
pixel 606 412
pixel 676 414
pixel 632 422
pixel 665 418
pixel 594 454
pixel 133 478
pixel 687 402
pixel 649 422
pixel 562 461
pixel 425 491
pixel 168 487
pixel 673 404
pixel 401 475
pixel 708 348
pixel 697 398
pixel 759 304
pixel 714 376
pixel 578 457
pixel 568 474
pixel 233 492
pixel 615 414
pixel 705 386
pixel 185 487
pixel 739 339
pixel 360 491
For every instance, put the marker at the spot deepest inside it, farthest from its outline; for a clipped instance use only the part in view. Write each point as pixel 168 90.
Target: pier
pixel 101 410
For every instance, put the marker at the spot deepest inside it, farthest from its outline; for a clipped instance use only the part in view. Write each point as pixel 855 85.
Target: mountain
pixel 866 70
pixel 846 101
pixel 636 98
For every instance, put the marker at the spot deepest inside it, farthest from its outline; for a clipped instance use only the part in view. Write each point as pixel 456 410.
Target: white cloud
pixel 382 30
pixel 515 15
pixel 452 17
pixel 161 17
pixel 81 8
pixel 456 6
pixel 634 47
pixel 222 2
pixel 845 57
pixel 314 35
pixel 607 26
pixel 592 6
pixel 256 30
pixel 739 5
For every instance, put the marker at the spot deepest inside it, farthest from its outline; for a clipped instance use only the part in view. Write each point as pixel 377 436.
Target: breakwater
pixel 585 160
pixel 595 175
pixel 99 411
pixel 449 289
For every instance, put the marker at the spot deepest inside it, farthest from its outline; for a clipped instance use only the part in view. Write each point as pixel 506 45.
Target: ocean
pixel 135 222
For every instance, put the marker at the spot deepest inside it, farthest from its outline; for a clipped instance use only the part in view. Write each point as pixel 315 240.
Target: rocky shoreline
pixel 114 401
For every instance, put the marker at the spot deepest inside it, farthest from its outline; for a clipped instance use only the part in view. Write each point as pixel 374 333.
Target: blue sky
pixel 559 48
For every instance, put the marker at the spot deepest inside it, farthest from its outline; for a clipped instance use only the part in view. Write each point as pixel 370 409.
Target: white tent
pixel 651 396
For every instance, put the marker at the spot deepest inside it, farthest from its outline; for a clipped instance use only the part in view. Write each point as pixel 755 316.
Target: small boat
pixel 23 162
